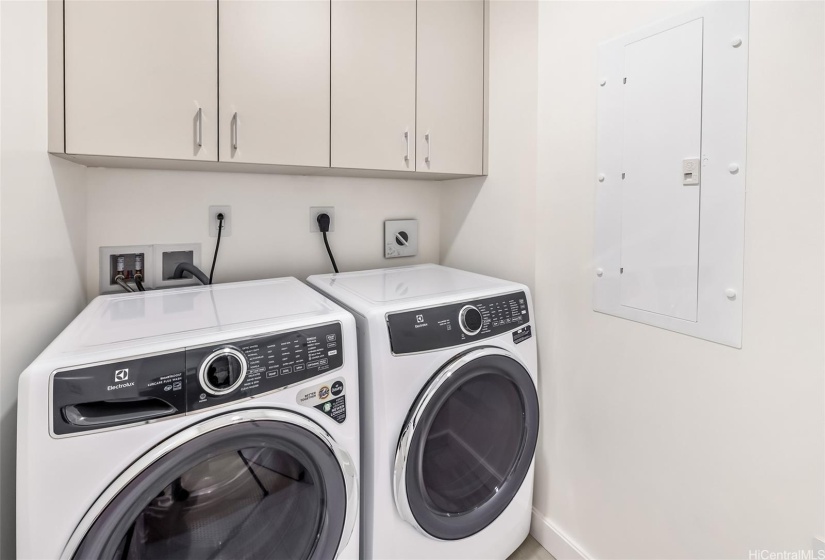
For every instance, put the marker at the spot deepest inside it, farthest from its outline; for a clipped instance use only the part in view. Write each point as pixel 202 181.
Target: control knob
pixel 470 320
pixel 223 371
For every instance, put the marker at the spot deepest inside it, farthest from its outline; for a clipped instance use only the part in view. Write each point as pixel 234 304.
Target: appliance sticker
pixel 522 334
pixel 328 397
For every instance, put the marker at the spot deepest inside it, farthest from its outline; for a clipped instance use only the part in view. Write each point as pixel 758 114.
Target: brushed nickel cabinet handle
pixel 235 131
pixel 200 127
pixel 428 138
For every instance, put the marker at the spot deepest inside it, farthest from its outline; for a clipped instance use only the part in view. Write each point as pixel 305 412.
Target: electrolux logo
pixel 419 318
pixel 120 386
pixel 121 375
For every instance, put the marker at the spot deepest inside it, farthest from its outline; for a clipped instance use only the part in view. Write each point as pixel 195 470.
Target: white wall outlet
pixel 131 255
pixel 213 220
pixel 167 258
pixel 400 238
pixel 313 217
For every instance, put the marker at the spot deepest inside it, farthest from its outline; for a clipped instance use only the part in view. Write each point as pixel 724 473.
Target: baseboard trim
pixel 554 540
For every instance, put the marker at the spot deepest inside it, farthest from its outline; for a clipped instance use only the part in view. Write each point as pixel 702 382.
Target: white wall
pixel 487 224
pixel 655 444
pixel 42 233
pixel 270 214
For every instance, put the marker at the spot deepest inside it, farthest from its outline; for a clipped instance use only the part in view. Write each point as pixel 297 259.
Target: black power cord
pixel 217 246
pixel 323 225
pixel 191 269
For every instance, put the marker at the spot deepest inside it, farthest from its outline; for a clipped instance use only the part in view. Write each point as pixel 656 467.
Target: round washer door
pixel 467 444
pixel 260 483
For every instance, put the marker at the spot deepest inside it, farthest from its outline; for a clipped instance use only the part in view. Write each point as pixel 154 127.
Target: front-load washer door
pixel 259 484
pixel 467 444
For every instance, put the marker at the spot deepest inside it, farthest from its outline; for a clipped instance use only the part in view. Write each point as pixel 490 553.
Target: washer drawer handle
pixel 116 412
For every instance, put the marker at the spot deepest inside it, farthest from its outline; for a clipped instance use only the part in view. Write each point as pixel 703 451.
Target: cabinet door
pixel 274 82
pixel 142 78
pixel 450 89
pixel 373 84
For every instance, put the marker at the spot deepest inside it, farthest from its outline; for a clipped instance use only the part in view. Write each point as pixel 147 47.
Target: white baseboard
pixel 554 540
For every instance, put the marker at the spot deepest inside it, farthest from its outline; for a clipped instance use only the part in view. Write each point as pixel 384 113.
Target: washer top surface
pixel 191 312
pixel 408 284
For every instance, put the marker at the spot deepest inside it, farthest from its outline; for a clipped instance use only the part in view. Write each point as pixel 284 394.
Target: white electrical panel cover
pixel 670 177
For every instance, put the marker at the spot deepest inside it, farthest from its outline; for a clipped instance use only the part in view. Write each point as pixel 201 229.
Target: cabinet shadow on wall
pixel 68 178
pixel 459 198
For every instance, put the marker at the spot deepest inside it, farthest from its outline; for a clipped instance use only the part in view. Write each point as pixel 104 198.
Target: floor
pixel 530 549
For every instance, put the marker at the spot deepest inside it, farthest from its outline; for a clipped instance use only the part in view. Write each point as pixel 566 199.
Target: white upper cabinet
pixel 141 78
pixel 373 84
pixel 274 82
pixel 450 86
pixel 364 87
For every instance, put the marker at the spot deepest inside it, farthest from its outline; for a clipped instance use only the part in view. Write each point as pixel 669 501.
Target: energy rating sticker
pixel 328 397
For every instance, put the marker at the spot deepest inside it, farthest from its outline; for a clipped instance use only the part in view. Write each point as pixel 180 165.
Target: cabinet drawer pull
pixel 429 147
pixel 235 131
pixel 407 140
pixel 200 127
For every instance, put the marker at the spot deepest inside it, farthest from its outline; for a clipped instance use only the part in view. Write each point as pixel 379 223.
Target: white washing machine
pixel 450 413
pixel 214 422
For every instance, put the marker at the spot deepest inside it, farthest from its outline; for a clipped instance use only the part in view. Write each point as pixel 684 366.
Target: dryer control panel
pixel 433 328
pixel 142 389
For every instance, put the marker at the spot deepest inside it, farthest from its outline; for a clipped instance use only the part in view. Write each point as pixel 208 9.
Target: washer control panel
pixel 432 328
pixel 224 373
pixel 149 388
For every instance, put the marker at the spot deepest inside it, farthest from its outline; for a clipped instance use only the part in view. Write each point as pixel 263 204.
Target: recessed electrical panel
pixel 670 181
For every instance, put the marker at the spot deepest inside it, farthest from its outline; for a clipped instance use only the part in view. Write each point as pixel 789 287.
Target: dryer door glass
pixel 469 443
pixel 251 490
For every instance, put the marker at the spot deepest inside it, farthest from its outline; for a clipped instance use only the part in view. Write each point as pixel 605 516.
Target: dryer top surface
pixel 383 287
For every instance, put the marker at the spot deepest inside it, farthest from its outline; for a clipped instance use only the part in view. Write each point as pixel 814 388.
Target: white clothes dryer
pixel 450 412
pixel 210 422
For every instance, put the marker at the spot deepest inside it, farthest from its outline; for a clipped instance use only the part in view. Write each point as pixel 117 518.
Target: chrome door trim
pixel 416 411
pixel 228 419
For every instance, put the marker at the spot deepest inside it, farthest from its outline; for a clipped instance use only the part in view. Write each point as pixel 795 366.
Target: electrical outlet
pixel 313 217
pixel 167 258
pixel 213 220
pixel 400 238
pixel 132 256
